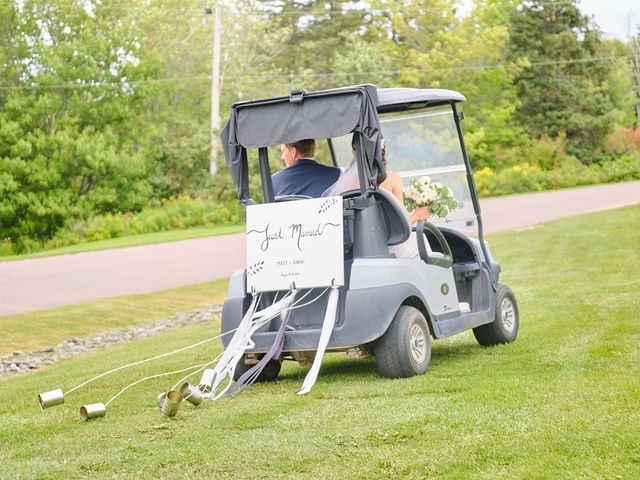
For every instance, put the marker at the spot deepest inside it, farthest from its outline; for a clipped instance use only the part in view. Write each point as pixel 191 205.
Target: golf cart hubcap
pixel 508 315
pixel 418 343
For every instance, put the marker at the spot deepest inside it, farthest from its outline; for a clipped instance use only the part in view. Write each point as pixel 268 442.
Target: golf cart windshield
pixel 420 143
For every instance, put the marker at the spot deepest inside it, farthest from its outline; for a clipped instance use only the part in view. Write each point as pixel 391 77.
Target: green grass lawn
pixel 133 241
pixel 560 402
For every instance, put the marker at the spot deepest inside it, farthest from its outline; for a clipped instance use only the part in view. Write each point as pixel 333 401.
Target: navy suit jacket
pixel 305 177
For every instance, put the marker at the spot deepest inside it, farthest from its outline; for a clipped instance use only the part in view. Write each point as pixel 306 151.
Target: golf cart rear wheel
pixel 504 328
pixel 405 348
pixel 269 374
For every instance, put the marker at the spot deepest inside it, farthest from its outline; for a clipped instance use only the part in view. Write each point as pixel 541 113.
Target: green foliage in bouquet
pixel 423 192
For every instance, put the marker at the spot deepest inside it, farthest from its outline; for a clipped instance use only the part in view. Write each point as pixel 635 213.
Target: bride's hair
pixel 349 179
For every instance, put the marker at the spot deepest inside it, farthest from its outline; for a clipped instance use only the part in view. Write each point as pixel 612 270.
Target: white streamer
pixel 139 362
pixel 148 378
pixel 327 328
pixel 225 364
pixel 242 341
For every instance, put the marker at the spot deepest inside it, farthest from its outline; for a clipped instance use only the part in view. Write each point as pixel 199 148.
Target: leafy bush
pixel 624 141
pixel 172 214
pixel 570 173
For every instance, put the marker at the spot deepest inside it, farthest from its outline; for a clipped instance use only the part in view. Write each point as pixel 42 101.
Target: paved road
pixel 35 284
pixel 520 211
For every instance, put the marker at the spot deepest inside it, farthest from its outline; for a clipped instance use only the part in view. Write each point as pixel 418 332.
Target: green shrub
pixel 6 248
pixel 171 214
pixel 571 172
pixel 623 141
pixel 626 168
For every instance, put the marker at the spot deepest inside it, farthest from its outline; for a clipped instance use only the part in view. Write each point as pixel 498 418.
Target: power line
pixel 404 9
pixel 124 84
pixel 314 75
pixel 319 10
pixel 442 69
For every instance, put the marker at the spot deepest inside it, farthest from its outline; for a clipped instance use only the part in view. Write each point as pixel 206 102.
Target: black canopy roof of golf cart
pixel 322 114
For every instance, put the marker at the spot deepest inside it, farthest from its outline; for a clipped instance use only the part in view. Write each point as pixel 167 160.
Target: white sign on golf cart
pixel 297 242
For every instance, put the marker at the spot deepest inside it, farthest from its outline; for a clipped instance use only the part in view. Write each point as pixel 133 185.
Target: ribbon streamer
pixel 251 375
pixel 241 342
pixel 327 328
pixel 225 364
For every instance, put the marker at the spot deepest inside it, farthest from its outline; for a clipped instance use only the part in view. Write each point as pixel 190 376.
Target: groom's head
pixel 291 152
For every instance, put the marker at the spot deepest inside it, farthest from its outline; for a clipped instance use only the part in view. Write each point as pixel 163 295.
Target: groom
pixel 302 175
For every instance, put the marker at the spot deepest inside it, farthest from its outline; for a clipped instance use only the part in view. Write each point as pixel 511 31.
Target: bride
pixel 348 180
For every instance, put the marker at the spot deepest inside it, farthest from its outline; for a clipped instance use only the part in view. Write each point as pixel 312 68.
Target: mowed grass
pixel 35 330
pixel 560 402
pixel 133 241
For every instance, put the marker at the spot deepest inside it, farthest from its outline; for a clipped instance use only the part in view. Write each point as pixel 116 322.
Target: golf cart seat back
pixel 376 222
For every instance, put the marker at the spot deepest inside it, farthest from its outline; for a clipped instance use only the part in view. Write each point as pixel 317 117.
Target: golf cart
pixel 388 307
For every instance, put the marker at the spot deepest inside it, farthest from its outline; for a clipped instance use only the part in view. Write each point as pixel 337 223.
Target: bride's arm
pixel 394 185
pixel 420 213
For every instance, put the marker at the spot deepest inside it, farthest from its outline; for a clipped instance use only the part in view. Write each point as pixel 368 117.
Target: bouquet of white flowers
pixel 422 192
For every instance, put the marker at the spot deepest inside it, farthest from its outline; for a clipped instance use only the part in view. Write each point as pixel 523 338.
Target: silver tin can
pixel 191 394
pixel 93 410
pixel 51 398
pixel 171 403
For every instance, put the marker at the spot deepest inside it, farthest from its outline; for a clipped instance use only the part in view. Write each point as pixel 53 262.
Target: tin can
pixel 171 403
pixel 191 394
pixel 51 398
pixel 93 410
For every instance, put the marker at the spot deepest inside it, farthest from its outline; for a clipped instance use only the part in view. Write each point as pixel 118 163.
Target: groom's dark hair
pixel 307 148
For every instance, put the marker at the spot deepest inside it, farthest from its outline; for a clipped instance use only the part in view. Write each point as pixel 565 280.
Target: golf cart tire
pixel 405 348
pixel 269 373
pixel 504 328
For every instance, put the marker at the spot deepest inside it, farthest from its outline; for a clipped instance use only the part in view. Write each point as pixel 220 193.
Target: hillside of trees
pixel 105 105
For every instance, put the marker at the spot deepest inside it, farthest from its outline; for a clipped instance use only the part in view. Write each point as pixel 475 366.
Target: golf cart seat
pixel 395 217
pixel 374 223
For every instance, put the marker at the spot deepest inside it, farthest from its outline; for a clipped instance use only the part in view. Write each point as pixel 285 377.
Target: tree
pixel 315 31
pixel 562 88
pixel 69 131
pixel 620 83
pixel 634 46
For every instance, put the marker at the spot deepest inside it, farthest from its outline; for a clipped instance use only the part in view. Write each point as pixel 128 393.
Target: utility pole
pixel 635 48
pixel 215 86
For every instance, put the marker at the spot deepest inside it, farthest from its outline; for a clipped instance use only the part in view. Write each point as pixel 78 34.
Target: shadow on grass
pixel 346 369
pixel 456 351
pixel 336 367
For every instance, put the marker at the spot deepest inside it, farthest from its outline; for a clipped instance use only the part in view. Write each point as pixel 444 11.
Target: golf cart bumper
pixel 359 320
pixel 367 304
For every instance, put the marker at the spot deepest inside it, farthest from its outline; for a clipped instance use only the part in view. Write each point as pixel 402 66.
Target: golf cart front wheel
pixel 405 348
pixel 505 325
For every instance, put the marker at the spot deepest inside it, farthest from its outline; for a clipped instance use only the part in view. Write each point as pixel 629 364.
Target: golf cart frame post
pixel 458 117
